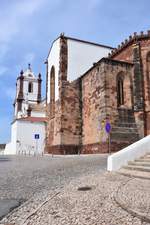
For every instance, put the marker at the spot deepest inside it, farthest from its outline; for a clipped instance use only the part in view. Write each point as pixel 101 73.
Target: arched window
pixel 148 62
pixel 148 74
pixel 30 87
pixel 52 91
pixel 120 90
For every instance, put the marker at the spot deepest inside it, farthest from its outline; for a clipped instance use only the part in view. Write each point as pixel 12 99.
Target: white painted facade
pixel 25 126
pixel 53 60
pixel 81 56
pixel 130 153
pixel 23 138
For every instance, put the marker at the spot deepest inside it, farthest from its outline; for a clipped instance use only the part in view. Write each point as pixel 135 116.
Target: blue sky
pixel 28 27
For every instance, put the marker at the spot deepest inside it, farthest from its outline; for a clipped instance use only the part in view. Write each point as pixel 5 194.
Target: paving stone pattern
pixel 100 205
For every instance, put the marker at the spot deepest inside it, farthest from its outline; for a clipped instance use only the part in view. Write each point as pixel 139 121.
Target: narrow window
pixel 148 62
pixel 52 91
pixel 30 87
pixel 120 91
pixel 148 75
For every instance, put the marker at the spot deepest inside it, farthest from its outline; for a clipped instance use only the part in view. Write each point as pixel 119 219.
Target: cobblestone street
pixel 89 196
pixel 21 177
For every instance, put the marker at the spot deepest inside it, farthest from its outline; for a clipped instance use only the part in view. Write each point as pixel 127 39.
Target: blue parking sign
pixel 36 136
pixel 108 127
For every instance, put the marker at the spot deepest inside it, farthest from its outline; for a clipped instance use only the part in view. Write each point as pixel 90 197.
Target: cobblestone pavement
pixel 22 177
pixel 112 199
pixel 97 206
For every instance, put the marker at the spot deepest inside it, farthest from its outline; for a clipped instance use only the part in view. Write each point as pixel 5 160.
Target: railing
pixel 28 150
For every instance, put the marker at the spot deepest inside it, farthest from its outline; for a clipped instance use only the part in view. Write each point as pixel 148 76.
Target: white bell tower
pixel 28 92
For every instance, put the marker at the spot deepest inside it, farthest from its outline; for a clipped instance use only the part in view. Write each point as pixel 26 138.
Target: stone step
pixel 126 112
pixel 135 173
pixel 138 168
pixel 140 163
pixel 125 136
pixel 143 160
pixel 125 121
pixel 125 129
pixel 121 124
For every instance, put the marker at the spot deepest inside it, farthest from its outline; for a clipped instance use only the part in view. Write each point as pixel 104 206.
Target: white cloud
pixel 12 16
pixel 12 19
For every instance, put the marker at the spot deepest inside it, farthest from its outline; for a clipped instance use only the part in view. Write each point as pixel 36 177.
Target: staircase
pixel 139 168
pixel 125 128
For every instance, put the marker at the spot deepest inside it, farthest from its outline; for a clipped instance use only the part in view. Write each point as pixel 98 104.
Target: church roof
pixel 33 119
pixel 88 42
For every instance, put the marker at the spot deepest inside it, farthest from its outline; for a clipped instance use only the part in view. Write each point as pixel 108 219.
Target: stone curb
pixel 142 216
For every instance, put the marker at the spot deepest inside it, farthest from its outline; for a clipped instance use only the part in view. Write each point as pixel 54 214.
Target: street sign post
pixel 36 137
pixel 108 129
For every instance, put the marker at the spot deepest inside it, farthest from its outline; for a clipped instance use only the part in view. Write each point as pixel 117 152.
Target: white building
pixel 81 55
pixel 29 124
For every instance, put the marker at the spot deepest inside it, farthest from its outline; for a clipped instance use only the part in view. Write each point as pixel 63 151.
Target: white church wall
pixel 22 139
pixel 27 144
pixel 81 57
pixel 10 148
pixel 53 60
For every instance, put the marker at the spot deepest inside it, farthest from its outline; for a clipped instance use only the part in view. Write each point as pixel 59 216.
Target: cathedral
pixel 91 85
pixel 88 86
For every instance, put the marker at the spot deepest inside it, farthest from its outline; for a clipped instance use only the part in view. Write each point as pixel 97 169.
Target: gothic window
pixel 52 91
pixel 120 91
pixel 148 74
pixel 30 87
pixel 148 62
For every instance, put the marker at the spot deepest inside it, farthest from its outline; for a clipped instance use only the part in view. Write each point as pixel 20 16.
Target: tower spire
pixel 29 66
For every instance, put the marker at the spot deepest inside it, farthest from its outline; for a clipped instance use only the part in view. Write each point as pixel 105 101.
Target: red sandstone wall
pixel 125 55
pixel 53 127
pixel 71 116
pixel 99 103
pixel 93 105
pixel 145 49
